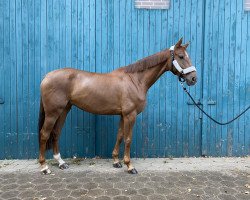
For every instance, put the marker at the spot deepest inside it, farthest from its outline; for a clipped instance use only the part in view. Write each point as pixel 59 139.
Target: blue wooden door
pixel 226 79
pixel 38 36
pixel 168 126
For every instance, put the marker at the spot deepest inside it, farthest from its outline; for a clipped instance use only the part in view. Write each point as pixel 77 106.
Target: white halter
pixel 179 69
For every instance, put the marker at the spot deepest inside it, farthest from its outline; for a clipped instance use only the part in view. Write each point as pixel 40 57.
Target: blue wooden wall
pixel 37 36
pixel 226 78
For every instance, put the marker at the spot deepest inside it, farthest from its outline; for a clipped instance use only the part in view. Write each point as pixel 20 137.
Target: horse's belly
pixel 98 105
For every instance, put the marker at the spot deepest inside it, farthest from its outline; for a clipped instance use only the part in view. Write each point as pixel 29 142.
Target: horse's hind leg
pixel 45 132
pixel 115 153
pixel 57 131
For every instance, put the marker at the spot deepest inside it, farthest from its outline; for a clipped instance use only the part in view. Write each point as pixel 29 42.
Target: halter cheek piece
pixel 178 68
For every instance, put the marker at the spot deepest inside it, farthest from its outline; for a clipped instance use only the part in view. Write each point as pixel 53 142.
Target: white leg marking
pixel 59 159
pixel 45 168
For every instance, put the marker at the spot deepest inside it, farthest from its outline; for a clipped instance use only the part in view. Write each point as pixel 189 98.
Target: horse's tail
pixel 40 125
pixel 40 120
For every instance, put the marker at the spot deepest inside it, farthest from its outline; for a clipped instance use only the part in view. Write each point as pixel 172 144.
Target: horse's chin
pixel 190 83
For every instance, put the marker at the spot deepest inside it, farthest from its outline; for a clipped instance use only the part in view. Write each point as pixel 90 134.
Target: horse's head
pixel 181 63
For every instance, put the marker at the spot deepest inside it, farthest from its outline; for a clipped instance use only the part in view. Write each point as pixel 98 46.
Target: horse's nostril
pixel 194 79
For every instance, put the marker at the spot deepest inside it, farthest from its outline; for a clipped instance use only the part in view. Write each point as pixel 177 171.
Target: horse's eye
pixel 181 57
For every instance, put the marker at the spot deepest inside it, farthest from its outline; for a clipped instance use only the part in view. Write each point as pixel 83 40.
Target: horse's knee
pixel 44 136
pixel 127 142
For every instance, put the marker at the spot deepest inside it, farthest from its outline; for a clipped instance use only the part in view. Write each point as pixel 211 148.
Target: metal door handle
pixel 211 102
pixel 192 103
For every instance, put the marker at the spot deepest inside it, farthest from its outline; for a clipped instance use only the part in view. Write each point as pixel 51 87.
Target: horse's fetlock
pixel 126 160
pixel 115 154
pixel 42 161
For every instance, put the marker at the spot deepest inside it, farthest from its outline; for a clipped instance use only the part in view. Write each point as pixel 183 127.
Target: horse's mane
pixel 147 62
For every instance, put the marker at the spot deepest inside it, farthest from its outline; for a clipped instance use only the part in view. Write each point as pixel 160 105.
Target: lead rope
pixel 220 123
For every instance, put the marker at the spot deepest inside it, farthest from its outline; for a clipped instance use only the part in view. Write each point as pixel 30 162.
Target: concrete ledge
pixel 224 165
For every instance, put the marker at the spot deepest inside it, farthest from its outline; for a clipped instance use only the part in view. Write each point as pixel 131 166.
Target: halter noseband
pixel 178 68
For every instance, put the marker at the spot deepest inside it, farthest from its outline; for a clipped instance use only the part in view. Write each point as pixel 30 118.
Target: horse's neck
pixel 148 77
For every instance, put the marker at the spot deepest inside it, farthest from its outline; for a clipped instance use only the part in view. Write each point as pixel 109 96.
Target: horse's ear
pixel 178 44
pixel 186 45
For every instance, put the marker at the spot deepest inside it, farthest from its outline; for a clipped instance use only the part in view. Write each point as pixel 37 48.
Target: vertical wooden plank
pixel 213 77
pixel 242 83
pixel 37 71
pixel 2 136
pixel 219 73
pixel 122 32
pixel 19 53
pixel 247 85
pixel 56 24
pixel 13 83
pixel 50 36
pixel 225 91
pixel 237 69
pixel 25 69
pixel 196 56
pixel 31 127
pixel 231 76
pixel 43 38
pixel 207 60
pixel 7 79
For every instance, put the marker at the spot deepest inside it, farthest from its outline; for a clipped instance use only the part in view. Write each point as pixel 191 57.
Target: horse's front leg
pixel 115 153
pixel 129 121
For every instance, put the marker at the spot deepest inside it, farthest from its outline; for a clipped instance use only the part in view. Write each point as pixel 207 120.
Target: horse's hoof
pixel 117 165
pixel 133 171
pixel 64 166
pixel 46 172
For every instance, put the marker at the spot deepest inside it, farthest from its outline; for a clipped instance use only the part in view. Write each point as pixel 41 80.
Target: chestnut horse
pixel 120 92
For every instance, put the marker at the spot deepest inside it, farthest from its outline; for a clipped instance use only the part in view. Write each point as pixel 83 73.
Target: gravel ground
pixel 178 178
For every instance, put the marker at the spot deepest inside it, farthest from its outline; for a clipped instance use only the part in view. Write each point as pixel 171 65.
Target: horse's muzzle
pixel 191 81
